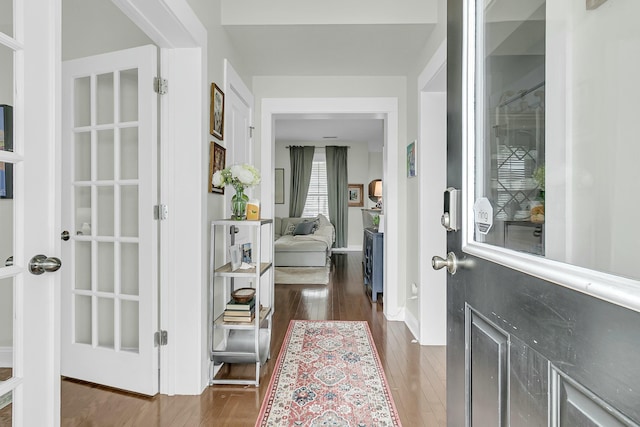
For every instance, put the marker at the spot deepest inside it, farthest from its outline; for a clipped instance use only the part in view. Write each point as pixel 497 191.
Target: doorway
pixel 385 108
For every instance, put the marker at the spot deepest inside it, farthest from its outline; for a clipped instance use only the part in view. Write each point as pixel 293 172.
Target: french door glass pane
pixel 129 153
pixel 129 210
pixel 104 95
pixel 560 183
pixel 83 210
pixel 6 23
pixel 82 155
pixel 105 267
pixel 129 268
pixel 83 322
pixel 129 95
pixel 82 99
pixel 6 329
pixel 83 266
pixel 105 322
pixel 129 325
pixel 6 409
pixel 106 155
pixel 105 211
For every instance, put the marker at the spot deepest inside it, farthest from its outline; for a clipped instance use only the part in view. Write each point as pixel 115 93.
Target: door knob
pixel 452 263
pixel 41 263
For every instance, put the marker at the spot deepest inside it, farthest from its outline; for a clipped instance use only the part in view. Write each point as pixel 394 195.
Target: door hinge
pixel 160 338
pixel 160 212
pixel 251 129
pixel 160 85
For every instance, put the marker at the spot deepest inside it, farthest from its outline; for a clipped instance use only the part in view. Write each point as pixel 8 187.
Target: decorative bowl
pixel 243 294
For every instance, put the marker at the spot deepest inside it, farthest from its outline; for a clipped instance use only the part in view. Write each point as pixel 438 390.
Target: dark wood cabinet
pixel 373 262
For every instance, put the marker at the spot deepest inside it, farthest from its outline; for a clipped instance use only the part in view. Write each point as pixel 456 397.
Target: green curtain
pixel 301 159
pixel 338 182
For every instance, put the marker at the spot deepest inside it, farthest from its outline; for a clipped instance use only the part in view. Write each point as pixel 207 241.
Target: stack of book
pixel 243 312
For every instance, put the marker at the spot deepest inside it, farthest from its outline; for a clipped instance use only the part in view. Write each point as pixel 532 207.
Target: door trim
pixel 432 134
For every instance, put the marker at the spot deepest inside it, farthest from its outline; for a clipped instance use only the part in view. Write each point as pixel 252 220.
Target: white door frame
pixel 432 131
pixel 385 108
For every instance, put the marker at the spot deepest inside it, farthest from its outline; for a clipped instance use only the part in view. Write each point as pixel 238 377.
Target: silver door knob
pixel 452 263
pixel 41 263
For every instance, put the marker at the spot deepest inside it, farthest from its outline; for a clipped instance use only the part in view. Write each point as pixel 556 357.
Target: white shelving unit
pixel 231 342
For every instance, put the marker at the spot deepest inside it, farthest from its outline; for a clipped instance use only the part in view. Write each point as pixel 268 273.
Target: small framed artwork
pixel 217 154
pixel 355 193
pixel 412 170
pixel 279 181
pixel 216 120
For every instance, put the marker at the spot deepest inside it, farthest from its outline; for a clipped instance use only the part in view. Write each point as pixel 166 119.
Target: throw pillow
pixel 289 230
pixel 304 228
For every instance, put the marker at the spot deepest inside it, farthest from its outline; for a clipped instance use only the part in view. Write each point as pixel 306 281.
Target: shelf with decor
pixel 241 298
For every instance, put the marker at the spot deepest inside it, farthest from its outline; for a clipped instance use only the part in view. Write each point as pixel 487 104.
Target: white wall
pixel 90 27
pixel 358 170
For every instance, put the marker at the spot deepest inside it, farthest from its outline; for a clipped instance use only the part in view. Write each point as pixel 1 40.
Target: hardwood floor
pixel 416 374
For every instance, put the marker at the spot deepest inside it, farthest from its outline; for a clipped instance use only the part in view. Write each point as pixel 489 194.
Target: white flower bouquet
pixel 240 176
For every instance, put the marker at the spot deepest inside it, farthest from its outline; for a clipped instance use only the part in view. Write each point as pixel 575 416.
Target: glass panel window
pixel 555 148
pixel 317 196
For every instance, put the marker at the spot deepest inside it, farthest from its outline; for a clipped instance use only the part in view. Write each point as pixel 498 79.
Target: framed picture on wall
pixel 217 154
pixel 216 120
pixel 355 193
pixel 411 160
pixel 279 181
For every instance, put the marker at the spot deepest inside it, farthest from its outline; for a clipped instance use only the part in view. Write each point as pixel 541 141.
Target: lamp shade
pixel 377 191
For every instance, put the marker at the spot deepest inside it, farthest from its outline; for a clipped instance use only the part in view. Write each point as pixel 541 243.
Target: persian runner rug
pixel 328 373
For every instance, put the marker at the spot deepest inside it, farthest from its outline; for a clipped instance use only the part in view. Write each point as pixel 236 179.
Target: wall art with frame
pixel 216 119
pixel 412 169
pixel 217 155
pixel 355 192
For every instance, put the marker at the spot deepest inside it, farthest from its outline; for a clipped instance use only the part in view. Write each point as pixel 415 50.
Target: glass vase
pixel 239 205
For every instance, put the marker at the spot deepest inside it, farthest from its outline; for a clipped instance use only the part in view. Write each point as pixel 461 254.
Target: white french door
pixel 109 189
pixel 29 380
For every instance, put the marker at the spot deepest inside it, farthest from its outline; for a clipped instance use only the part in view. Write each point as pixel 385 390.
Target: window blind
pixel 317 197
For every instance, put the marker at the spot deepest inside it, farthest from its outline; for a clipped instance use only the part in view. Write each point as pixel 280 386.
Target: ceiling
pixel 329 50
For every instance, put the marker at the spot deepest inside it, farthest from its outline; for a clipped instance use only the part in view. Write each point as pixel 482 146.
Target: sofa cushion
pixel 304 228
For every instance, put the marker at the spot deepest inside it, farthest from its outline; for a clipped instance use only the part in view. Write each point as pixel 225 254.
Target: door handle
pixel 452 263
pixel 40 264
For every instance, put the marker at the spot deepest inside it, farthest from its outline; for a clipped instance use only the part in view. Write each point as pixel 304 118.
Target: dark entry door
pixel 543 328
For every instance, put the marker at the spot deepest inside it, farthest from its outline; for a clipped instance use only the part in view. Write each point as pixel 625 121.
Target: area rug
pixel 302 275
pixel 328 373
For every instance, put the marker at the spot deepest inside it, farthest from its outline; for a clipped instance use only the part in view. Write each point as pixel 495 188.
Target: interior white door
pixel 29 375
pixel 109 188
pixel 238 102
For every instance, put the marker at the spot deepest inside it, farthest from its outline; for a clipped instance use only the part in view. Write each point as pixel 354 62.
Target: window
pixel 317 197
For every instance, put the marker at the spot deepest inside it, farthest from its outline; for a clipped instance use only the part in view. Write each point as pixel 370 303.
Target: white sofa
pixel 292 249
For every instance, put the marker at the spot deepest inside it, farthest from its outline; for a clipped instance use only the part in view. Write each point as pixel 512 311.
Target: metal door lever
pixel 452 263
pixel 41 263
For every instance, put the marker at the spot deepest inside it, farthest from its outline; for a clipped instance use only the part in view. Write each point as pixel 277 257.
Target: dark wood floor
pixel 416 374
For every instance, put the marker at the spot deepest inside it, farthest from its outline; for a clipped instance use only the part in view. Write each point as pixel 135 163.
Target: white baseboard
pixel 354 248
pixel 412 324
pixel 6 357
